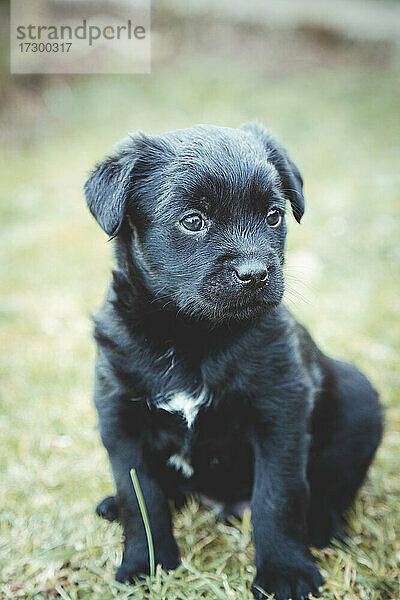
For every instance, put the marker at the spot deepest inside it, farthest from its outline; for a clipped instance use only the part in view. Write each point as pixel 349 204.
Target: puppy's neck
pixel 152 320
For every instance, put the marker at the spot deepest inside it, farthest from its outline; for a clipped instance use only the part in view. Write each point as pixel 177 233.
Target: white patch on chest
pixel 181 464
pixel 185 404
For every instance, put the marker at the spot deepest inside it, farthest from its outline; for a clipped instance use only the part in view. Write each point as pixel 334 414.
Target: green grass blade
pixel 145 518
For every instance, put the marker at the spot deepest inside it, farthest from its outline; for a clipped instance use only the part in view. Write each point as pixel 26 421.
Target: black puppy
pixel 204 382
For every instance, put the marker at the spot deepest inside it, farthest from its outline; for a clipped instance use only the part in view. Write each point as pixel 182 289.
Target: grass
pixel 343 282
pixel 145 519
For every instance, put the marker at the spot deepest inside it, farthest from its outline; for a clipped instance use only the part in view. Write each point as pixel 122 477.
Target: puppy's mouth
pixel 221 303
pixel 242 313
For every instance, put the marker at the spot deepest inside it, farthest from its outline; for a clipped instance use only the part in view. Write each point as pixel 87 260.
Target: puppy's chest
pixel 195 406
pixel 185 404
pixel 178 416
pixel 179 388
pixel 179 394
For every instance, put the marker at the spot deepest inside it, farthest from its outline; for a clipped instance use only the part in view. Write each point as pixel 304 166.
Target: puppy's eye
pixel 274 217
pixel 194 222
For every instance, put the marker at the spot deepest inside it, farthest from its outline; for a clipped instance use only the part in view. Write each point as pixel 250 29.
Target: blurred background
pixel 324 77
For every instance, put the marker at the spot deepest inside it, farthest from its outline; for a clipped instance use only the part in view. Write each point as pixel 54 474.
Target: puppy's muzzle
pixel 251 273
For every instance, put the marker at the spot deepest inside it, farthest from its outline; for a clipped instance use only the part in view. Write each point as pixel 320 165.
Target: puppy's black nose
pixel 251 272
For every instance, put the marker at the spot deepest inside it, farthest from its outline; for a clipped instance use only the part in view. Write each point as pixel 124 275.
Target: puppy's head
pixel 200 212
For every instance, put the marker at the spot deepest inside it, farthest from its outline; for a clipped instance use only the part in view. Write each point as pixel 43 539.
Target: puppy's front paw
pixel 296 586
pixel 132 569
pixel 127 573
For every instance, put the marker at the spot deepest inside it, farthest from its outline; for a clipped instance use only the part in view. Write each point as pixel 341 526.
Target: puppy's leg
pixel 338 467
pixel 124 455
pixel 278 507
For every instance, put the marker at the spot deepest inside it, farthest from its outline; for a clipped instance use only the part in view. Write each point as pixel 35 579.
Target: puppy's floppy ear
pixel 108 187
pixel 292 182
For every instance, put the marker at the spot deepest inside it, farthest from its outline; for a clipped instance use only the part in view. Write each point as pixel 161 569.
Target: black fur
pixel 198 314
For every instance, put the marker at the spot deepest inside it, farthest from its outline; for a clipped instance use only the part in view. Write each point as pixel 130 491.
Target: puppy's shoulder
pixel 111 320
